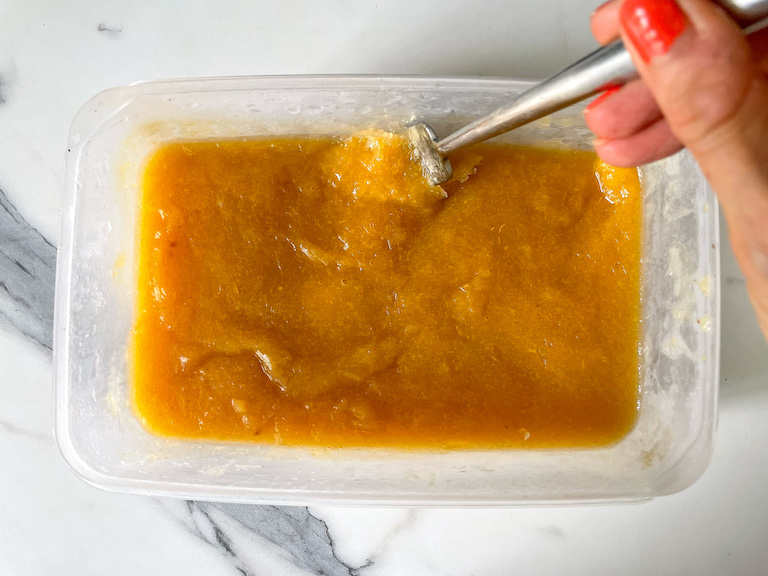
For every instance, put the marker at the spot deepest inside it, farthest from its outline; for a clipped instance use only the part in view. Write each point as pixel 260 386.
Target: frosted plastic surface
pixel 103 441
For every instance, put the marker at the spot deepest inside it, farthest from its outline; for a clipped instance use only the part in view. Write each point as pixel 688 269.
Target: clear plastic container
pixel 105 444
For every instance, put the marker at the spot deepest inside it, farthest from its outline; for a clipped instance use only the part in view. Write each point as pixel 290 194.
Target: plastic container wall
pixel 103 441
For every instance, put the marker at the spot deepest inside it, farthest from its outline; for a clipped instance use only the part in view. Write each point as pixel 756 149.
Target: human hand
pixel 704 87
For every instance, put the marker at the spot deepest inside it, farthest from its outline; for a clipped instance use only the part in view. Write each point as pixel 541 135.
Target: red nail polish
pixel 652 25
pixel 602 98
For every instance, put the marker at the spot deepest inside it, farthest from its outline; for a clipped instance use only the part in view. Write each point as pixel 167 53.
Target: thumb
pixel 714 97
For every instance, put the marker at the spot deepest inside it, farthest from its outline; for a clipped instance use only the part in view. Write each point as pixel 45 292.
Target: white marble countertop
pixel 54 56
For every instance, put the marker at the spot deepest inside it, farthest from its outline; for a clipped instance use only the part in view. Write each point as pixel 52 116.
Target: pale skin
pixel 708 93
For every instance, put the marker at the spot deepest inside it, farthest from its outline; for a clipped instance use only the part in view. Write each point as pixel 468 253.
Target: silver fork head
pixel 423 139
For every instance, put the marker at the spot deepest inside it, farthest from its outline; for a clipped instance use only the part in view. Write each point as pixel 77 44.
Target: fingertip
pixel 653 143
pixel 623 112
pixel 597 125
pixel 604 22
pixel 601 98
pixel 652 26
pixel 606 150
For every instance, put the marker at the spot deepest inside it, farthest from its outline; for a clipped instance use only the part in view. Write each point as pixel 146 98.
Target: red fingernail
pixel 652 25
pixel 602 98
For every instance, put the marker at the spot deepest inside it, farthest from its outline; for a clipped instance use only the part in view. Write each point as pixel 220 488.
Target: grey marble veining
pixel 303 538
pixel 27 273
pixel 13 430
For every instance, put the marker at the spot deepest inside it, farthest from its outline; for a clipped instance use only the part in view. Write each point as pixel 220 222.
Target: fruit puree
pixel 317 291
